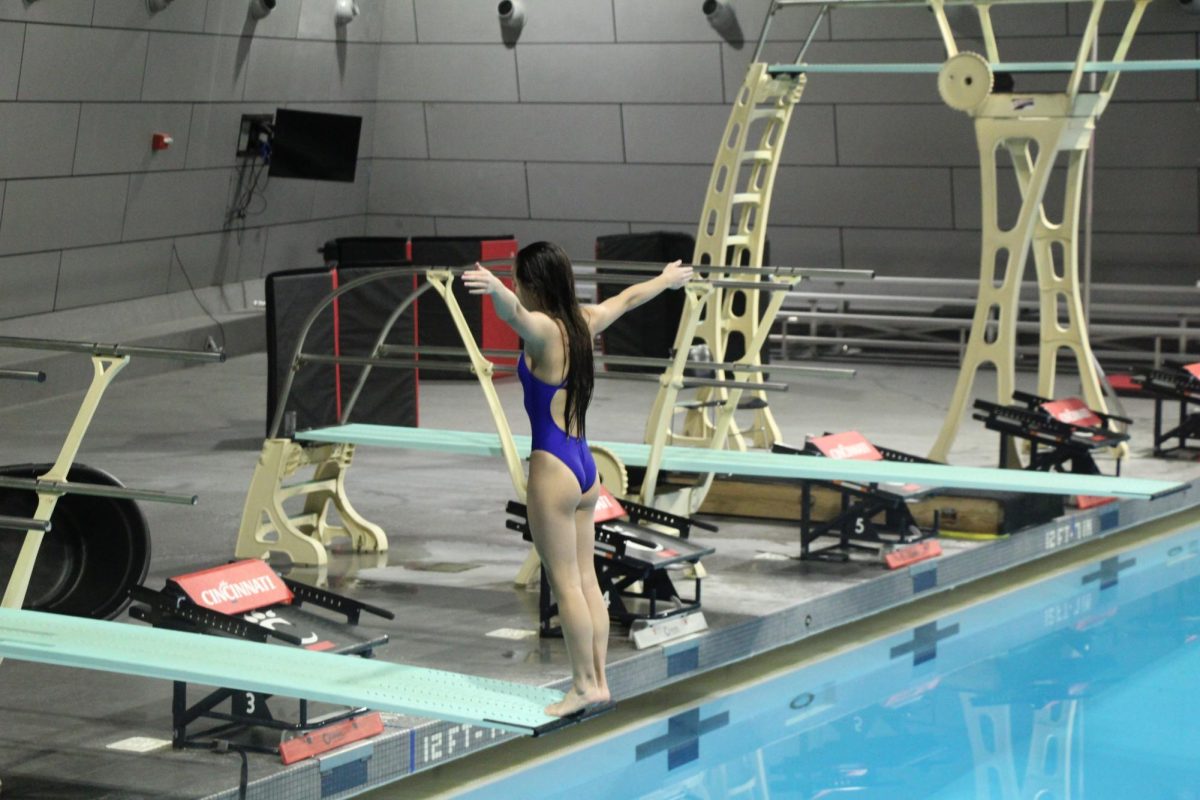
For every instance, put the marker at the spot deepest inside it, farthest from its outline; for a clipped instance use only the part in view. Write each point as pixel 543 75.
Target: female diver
pixel 556 373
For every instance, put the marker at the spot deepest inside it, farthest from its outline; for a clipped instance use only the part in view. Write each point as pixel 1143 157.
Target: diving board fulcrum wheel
pixel 610 469
pixel 965 81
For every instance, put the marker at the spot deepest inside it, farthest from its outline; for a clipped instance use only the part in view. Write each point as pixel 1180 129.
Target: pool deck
pixel 449 571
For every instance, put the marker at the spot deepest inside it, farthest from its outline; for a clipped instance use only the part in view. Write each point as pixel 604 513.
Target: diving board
pixel 768 465
pixel 1139 65
pixel 1032 129
pixel 280 670
pixel 901 3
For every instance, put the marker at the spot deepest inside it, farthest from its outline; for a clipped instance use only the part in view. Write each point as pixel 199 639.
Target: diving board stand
pixel 278 670
pixel 634 559
pixel 1030 129
pixel 730 242
pixel 870 518
pixel 291 470
pixel 1173 383
pixel 248 600
pixel 732 231
pixel 1059 432
pixel 731 236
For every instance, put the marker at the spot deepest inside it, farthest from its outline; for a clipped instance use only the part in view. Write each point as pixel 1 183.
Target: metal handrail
pixel 869 300
pixel 96 490
pixel 35 375
pixel 112 350
pixel 22 524
pixel 603 358
pixel 966 322
pixel 831 273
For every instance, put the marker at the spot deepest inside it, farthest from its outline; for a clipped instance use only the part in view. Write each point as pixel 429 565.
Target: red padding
pixel 235 588
pixel 1090 501
pixel 849 444
pixel 918 551
pixel 1125 384
pixel 607 507
pixel 1073 411
pixel 494 334
pixel 329 737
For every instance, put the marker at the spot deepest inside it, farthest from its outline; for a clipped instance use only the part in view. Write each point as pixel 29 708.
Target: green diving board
pixel 768 465
pixel 903 3
pixel 1139 65
pixel 276 669
pixel 463 443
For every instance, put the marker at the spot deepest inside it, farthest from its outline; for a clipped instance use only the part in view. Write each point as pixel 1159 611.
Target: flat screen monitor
pixel 314 145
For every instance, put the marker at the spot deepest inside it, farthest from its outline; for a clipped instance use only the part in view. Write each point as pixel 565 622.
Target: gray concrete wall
pixel 603 118
pixel 90 215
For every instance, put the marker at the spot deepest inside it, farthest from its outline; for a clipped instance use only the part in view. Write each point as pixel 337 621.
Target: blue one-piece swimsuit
pixel 547 435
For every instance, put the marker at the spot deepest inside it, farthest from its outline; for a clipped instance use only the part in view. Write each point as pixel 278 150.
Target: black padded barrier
pixel 389 396
pixel 648 330
pixel 98 548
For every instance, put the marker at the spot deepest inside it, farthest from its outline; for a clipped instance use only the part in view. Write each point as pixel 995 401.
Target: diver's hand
pixel 481 281
pixel 676 274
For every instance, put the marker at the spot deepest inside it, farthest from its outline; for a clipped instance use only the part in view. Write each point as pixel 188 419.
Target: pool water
pixel 1084 685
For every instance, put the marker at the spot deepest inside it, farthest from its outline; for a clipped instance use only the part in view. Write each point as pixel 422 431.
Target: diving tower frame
pixel 1033 129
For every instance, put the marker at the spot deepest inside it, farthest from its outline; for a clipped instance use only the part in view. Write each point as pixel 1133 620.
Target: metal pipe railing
pixel 832 273
pixel 617 360
pixel 111 350
pixel 23 375
pixel 386 363
pixel 22 524
pixel 692 383
pixel 96 490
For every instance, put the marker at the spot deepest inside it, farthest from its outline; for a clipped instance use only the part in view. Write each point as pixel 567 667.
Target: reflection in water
pixel 1000 712
pixel 1012 725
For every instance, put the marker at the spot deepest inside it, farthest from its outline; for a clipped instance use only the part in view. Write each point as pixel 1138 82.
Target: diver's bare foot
pixel 574 701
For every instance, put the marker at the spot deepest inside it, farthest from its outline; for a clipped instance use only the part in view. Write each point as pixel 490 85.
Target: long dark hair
pixel 544 271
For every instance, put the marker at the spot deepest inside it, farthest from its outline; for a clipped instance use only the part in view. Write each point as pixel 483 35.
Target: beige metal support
pixel 688 501
pixel 989 35
pixel 738 199
pixel 939 14
pixel 1033 129
pixel 104 370
pixel 267 527
pixel 483 369
pixel 1062 320
pixel 658 428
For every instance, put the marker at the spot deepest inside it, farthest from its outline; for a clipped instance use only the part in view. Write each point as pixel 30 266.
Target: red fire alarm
pixel 160 141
